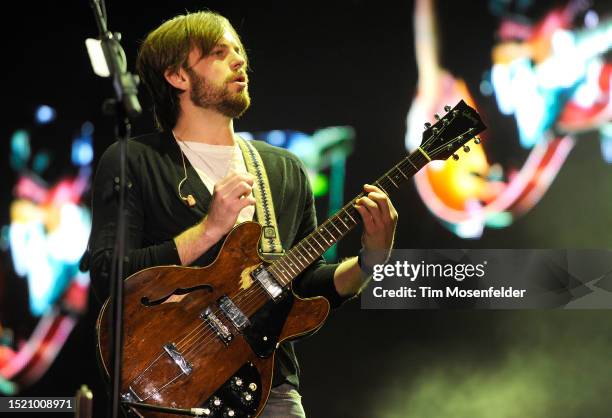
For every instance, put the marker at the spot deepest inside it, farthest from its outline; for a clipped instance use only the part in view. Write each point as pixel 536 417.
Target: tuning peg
pixel 466 148
pixel 455 157
pixel 477 140
pixel 447 108
pixel 427 125
pixel 436 116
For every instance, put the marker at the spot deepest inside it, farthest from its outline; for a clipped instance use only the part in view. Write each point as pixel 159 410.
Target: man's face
pixel 219 81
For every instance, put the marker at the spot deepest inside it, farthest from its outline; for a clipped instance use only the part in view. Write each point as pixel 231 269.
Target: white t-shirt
pixel 214 162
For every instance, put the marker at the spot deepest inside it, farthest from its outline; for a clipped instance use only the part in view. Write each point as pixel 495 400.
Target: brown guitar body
pixel 164 305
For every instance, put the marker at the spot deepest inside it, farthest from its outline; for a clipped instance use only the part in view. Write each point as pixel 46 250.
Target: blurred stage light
pixel 82 151
pixel 45 114
pixel 20 149
pixel 320 185
pixel 41 161
pixel 277 138
pixel 246 136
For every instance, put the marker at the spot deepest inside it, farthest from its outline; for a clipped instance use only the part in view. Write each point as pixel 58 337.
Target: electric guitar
pixel 205 337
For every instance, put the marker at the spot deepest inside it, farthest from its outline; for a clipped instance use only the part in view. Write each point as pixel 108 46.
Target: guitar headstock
pixel 452 131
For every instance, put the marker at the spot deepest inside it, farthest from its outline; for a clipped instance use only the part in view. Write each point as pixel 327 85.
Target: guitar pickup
pixel 213 321
pixel 268 282
pixel 233 313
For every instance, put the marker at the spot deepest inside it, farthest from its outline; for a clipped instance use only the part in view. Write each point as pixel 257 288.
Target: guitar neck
pixel 440 141
pixel 310 248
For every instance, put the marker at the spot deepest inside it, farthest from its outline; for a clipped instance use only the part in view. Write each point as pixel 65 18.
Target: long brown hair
pixel 168 47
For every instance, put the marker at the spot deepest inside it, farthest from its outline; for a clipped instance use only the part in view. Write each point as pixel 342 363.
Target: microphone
pixel 190 200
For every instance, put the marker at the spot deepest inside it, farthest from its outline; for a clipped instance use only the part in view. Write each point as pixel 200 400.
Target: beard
pixel 221 99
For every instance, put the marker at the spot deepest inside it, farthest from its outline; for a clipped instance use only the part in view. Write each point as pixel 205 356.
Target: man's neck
pixel 206 126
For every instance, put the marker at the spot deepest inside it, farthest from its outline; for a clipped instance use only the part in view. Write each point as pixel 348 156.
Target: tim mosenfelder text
pixel 458 272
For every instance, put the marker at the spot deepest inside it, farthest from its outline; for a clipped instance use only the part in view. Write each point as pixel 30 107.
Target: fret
pixel 291 254
pixel 402 172
pixel 328 233
pixel 289 264
pixel 283 261
pixel 332 222
pixel 409 170
pixel 349 215
pixel 395 176
pixel 390 179
pixel 415 167
pixel 382 188
pixel 334 238
pixel 311 250
pixel 283 264
pixel 345 225
pixel 318 242
pixel 297 248
pixel 276 271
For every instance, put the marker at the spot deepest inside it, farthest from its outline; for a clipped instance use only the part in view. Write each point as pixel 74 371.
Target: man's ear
pixel 177 78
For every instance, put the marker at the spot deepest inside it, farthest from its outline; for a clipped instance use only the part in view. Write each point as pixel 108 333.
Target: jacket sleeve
pixel 103 238
pixel 318 278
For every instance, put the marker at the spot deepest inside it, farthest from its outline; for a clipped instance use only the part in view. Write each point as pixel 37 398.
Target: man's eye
pixel 218 52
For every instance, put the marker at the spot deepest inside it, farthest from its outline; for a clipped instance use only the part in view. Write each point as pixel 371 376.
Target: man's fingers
pixel 243 203
pixel 368 222
pixel 241 189
pixel 232 179
pixel 370 188
pixel 372 207
pixel 388 212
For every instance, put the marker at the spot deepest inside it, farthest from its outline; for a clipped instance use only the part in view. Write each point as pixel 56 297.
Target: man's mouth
pixel 241 79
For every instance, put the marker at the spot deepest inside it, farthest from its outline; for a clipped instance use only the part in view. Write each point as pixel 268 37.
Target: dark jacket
pixel 156 214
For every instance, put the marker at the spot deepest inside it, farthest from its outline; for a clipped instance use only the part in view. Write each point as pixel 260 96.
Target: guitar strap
pixel 270 246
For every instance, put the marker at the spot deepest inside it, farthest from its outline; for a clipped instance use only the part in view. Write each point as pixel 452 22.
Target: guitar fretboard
pixel 309 249
pixel 440 141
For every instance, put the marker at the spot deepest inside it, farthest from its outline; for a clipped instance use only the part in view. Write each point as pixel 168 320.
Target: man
pixel 189 186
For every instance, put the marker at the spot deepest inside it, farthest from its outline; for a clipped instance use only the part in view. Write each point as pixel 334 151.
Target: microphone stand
pixel 124 106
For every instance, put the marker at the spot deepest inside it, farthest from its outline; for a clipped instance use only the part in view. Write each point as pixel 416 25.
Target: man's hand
pixel 379 221
pixel 230 195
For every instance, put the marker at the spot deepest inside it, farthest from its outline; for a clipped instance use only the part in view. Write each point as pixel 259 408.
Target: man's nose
pixel 238 62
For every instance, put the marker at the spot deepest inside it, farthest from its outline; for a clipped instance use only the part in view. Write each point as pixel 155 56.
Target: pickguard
pixel 267 325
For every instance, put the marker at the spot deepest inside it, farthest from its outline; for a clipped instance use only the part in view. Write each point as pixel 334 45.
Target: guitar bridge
pixel 217 326
pixel 178 358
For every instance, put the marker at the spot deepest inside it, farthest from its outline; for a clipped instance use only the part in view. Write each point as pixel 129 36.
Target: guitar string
pixel 387 183
pixel 200 340
pixel 241 299
pixel 280 271
pixel 253 292
pixel 246 298
pixel 294 263
pixel 242 296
